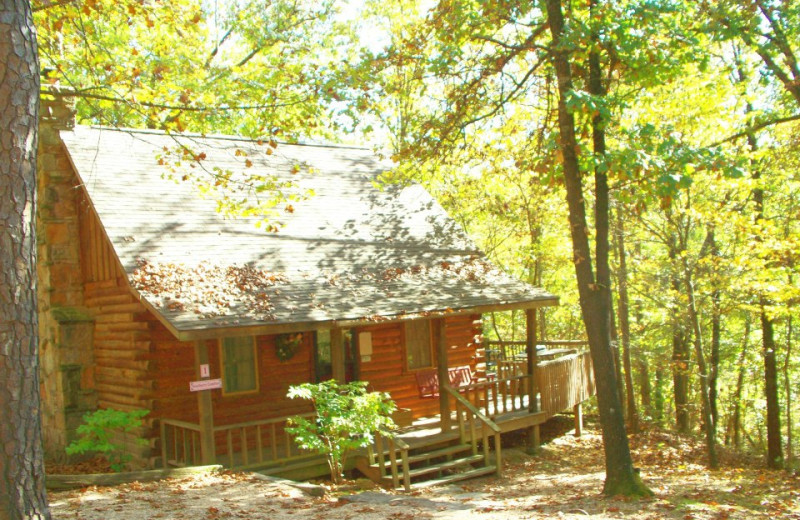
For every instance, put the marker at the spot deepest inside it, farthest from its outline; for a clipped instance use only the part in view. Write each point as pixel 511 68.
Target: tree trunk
pixel 774 448
pixel 658 396
pixel 716 330
pixel 774 451
pixel 594 297
pixel 709 426
pixel 623 310
pixel 788 389
pixel 735 423
pixel 680 352
pixel 22 491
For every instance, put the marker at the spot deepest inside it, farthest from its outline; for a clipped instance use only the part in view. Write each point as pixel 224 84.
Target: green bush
pixel 347 417
pixel 97 429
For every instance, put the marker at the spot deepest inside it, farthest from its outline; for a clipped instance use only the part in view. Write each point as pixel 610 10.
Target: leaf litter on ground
pixel 564 480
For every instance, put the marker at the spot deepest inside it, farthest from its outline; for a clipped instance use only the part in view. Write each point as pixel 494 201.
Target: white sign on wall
pixel 205 384
pixel 204 371
pixel 365 343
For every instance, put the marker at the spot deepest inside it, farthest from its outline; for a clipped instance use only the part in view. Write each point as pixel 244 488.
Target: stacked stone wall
pixel 65 325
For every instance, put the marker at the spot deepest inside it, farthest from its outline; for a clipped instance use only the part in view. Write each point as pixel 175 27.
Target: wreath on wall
pixel 287 345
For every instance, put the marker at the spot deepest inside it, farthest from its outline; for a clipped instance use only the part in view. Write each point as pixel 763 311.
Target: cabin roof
pixel 349 252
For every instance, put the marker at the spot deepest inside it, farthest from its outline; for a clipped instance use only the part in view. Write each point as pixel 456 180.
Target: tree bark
pixel 22 490
pixel 594 296
pixel 774 447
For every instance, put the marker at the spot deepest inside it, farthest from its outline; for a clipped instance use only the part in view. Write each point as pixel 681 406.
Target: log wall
pixel 386 370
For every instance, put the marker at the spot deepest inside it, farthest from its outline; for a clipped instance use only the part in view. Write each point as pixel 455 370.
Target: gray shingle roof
pixel 350 252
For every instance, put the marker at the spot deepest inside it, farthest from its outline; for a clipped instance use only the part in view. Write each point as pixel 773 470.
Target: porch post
pixel 337 355
pixel 578 409
pixel 530 350
pixel 442 373
pixel 205 407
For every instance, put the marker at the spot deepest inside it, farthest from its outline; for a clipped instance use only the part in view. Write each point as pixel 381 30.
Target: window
pixel 322 355
pixel 323 362
pixel 418 344
pixel 239 365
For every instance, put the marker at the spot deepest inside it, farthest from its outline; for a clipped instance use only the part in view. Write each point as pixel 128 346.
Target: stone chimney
pixel 65 325
pixel 57 109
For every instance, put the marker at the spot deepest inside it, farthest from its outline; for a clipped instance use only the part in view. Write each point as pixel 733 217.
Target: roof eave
pixel 285 328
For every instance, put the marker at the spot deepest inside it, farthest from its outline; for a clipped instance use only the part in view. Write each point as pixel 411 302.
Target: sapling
pixel 347 418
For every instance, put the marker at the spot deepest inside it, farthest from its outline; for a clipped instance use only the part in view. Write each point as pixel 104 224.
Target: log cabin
pixel 153 298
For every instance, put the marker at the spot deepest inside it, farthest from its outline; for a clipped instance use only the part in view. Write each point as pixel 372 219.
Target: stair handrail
pixel 395 444
pixel 487 425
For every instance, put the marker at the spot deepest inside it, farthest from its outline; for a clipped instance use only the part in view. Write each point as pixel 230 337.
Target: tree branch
pixel 756 127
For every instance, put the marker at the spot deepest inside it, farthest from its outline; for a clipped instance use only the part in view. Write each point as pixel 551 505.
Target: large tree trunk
pixel 594 296
pixel 22 492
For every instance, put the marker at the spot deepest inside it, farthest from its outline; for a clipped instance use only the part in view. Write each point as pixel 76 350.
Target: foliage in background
pixel 97 432
pixel 347 418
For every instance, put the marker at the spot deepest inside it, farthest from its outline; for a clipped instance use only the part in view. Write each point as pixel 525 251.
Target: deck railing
pixel 180 443
pixel 246 444
pixel 502 394
pixel 562 383
pixel 565 382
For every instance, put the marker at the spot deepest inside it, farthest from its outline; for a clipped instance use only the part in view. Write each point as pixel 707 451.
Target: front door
pixel 323 368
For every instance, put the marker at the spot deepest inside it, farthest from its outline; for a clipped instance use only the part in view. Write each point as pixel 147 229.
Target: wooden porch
pixel 462 442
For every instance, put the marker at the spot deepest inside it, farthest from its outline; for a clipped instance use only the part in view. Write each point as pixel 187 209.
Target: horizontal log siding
pixel 176 368
pixel 386 370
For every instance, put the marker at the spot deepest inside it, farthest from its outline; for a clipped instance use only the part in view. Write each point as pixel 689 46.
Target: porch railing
pixel 180 443
pixel 504 393
pixel 246 444
pixel 565 382
pixel 469 419
pixel 562 383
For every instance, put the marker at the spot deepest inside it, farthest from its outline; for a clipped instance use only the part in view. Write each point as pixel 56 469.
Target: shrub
pixel 347 417
pixel 94 435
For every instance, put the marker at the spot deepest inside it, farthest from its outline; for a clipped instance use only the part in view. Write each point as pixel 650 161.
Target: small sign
pixel 204 371
pixel 205 384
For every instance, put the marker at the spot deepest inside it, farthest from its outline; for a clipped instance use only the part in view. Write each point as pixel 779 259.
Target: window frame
pixel 406 349
pixel 222 357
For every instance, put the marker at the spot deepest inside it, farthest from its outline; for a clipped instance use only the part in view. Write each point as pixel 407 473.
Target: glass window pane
pixel 239 364
pixel 418 344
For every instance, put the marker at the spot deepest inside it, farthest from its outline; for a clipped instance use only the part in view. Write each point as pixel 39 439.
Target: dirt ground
pixel 563 481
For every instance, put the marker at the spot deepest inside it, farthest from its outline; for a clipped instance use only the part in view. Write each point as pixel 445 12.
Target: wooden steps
pixel 455 477
pixel 301 468
pixel 442 466
pixel 442 459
